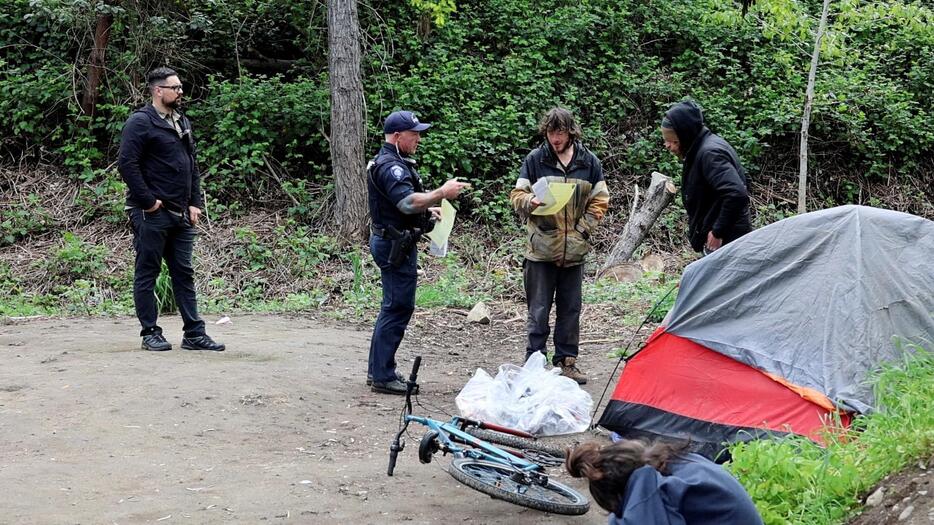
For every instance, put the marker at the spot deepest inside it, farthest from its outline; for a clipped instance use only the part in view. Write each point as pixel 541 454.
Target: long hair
pixel 560 119
pixel 608 468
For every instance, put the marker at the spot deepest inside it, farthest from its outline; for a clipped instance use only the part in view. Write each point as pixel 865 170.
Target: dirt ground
pixel 280 428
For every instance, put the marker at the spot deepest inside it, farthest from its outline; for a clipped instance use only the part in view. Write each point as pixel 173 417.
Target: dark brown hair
pixel 560 119
pixel 608 467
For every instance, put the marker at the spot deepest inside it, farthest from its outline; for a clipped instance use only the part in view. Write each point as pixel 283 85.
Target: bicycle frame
pixel 450 435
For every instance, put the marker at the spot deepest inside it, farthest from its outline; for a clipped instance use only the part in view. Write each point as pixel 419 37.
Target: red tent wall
pixel 676 388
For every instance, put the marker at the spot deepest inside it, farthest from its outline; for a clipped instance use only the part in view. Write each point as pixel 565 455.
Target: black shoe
pixel 369 378
pixel 202 342
pixel 392 387
pixel 155 343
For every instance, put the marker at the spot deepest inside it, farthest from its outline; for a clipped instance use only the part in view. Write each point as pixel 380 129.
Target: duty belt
pixel 389 234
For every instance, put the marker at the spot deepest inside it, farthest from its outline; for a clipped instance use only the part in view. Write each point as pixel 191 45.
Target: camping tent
pixel 779 331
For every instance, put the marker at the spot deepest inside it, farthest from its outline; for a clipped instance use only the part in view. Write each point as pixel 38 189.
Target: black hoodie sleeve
pixel 729 188
pixel 131 150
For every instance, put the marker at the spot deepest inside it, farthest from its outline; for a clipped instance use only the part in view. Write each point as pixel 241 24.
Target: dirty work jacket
pixel 562 238
pixel 157 163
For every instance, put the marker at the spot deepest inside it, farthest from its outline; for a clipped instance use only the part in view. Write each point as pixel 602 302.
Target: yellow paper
pixel 561 192
pixel 442 230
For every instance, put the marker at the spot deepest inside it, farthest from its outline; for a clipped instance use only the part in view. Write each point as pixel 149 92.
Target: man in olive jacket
pixel 556 245
pixel 714 186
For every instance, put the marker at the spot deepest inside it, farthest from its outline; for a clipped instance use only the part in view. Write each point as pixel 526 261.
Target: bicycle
pixel 515 476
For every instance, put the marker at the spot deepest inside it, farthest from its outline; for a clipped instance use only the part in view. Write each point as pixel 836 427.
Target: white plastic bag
pixel 528 398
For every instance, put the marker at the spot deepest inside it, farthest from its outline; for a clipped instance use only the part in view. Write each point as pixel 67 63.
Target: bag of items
pixel 528 398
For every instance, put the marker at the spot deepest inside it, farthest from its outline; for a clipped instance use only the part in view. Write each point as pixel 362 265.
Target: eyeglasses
pixel 176 88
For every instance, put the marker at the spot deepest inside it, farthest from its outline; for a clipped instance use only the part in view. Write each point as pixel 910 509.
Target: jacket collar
pixel 579 159
pixel 393 151
pixel 159 121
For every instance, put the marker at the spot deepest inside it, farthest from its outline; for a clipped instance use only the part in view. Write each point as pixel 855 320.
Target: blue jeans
pixel 395 310
pixel 156 236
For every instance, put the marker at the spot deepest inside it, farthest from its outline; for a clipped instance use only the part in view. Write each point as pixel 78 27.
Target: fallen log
pixel 659 195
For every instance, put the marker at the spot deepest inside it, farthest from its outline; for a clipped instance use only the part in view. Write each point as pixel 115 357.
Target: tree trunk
pixel 806 119
pixel 659 195
pixel 348 128
pixel 97 63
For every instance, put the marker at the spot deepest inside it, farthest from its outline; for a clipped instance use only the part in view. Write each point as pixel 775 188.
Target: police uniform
pixel 391 177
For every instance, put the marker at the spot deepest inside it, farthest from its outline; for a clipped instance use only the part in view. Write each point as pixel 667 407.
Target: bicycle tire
pixel 516 442
pixel 495 480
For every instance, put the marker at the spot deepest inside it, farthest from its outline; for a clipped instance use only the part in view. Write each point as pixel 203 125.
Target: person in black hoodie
pixel 164 203
pixel 714 186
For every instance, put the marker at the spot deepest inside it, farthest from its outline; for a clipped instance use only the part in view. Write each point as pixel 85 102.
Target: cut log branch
pixel 659 195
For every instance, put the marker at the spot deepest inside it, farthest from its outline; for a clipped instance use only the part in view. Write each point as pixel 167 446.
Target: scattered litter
pixel 305 482
pixel 223 320
pixel 164 518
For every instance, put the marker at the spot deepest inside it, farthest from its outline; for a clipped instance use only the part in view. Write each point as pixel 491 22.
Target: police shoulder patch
pixel 397 172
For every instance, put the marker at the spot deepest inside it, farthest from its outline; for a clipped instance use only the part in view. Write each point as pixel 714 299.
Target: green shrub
pixel 795 481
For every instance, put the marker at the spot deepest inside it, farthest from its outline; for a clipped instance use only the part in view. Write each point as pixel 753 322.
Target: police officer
pixel 400 210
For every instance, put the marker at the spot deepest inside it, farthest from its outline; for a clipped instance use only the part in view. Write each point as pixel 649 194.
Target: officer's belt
pixel 386 233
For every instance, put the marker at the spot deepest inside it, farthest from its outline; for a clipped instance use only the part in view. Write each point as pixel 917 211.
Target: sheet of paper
pixel 540 189
pixel 561 193
pixel 442 230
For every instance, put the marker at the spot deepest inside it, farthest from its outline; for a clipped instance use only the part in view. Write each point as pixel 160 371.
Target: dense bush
pixel 256 74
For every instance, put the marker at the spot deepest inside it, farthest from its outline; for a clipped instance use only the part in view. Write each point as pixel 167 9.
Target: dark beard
pixel 175 104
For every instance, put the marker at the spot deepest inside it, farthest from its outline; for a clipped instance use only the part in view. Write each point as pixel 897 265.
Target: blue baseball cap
pixel 403 121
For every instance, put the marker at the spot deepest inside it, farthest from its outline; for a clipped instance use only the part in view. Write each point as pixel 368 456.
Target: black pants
pixel 547 283
pixel 395 311
pixel 156 236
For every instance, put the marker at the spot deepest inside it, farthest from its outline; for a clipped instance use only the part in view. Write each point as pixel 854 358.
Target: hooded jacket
pixel 696 492
pixel 714 187
pixel 562 238
pixel 157 163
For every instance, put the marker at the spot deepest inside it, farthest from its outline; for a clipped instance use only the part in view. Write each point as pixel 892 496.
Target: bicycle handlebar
pixel 397 444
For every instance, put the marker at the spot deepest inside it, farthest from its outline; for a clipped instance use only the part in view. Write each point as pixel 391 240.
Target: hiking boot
pixel 155 343
pixel 569 369
pixel 369 378
pixel 202 342
pixel 395 387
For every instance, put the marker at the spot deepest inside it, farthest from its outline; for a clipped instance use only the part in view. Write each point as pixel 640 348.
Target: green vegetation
pixel 795 481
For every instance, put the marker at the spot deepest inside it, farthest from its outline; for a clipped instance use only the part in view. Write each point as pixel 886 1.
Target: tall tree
pixel 97 62
pixel 348 128
pixel 806 119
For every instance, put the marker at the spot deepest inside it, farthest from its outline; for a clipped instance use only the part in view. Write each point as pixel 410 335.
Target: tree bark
pixel 348 128
pixel 97 63
pixel 806 119
pixel 659 195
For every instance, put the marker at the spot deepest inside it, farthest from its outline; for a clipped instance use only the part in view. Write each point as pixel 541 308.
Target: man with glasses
pixel 164 202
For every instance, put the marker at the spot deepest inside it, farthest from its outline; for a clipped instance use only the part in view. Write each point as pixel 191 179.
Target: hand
pixel 452 188
pixel 535 203
pixel 155 206
pixel 435 213
pixel 713 243
pixel 194 214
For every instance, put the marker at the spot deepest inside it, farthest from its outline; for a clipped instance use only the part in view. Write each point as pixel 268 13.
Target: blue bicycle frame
pixel 478 448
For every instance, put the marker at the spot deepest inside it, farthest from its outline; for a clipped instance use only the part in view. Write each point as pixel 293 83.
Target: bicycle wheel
pixel 498 482
pixel 517 442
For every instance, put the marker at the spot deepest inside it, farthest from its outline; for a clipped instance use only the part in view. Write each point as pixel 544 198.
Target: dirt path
pixel 279 428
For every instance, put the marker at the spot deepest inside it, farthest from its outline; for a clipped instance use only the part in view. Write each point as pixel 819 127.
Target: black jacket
pixel 714 186
pixel 156 163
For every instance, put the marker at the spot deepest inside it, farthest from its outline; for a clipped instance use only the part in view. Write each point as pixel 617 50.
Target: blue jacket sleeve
pixel 131 151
